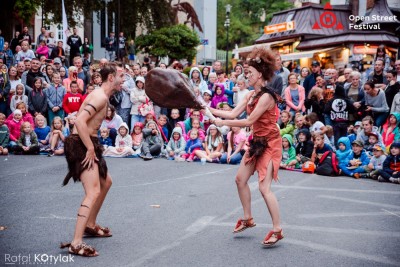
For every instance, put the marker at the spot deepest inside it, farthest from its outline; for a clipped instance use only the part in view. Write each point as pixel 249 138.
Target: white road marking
pixel 201 223
pixel 343 214
pixel 338 189
pixel 341 252
pixel 361 202
pixel 397 215
pixel 192 230
pixel 317 229
pixel 52 216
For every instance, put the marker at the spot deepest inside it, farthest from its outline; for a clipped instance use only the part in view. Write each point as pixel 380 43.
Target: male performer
pixel 86 163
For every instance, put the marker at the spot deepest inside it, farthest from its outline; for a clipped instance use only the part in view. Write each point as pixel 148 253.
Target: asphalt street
pixel 327 221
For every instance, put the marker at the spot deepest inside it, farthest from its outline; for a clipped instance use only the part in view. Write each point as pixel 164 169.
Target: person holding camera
pixel 375 103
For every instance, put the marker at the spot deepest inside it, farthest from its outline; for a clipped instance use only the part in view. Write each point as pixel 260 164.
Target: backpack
pixel 328 164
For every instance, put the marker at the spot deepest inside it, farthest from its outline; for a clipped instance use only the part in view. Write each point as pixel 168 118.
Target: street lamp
pixel 226 25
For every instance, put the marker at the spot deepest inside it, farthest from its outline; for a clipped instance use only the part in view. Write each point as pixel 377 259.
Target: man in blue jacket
pixel 309 82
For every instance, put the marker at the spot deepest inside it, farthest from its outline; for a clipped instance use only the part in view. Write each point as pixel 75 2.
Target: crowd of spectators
pixel 348 120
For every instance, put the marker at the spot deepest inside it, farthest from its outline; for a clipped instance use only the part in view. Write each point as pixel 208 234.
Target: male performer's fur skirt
pixel 75 153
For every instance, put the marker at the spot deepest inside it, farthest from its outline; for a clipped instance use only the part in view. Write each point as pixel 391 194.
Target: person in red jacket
pixel 73 100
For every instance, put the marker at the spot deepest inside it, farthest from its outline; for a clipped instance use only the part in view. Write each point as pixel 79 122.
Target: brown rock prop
pixel 170 89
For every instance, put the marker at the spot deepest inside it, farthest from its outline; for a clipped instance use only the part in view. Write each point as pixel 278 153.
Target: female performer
pixel 265 151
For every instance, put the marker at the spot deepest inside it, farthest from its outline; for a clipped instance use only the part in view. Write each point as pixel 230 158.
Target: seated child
pixel 27 143
pixel 373 139
pixel 162 123
pixel 218 95
pixel 123 143
pixel 213 145
pixel 304 149
pixel 56 137
pixel 104 139
pixel 42 130
pixel 14 127
pixel 4 135
pixel 320 147
pixel 288 151
pixel 391 166
pixel 137 137
pixel 236 146
pixel 376 162
pixel 344 150
pixel 192 145
pixel 176 145
pixel 152 141
pixel 299 125
pixel 18 97
pixel 355 165
pixel 391 129
pixel 181 125
pixel 286 126
pixel 196 125
pixel 70 123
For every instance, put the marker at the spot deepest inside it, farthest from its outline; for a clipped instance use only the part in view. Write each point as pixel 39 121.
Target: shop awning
pixel 248 49
pixel 305 54
pixel 363 37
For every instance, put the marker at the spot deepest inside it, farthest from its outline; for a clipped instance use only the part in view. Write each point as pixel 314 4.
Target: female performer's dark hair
pixel 263 60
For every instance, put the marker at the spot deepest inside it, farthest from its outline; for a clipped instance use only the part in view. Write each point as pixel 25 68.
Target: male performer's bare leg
pixel 105 185
pixel 91 183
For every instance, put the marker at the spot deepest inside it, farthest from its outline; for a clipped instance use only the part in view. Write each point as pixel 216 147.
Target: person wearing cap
pixel 391 166
pixel 309 82
pixel 368 127
pixel 357 126
pixel 376 162
pixel 373 139
pixel 355 165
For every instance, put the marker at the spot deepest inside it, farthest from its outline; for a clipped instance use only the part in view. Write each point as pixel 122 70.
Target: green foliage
pixel 246 20
pixel 26 9
pixel 177 42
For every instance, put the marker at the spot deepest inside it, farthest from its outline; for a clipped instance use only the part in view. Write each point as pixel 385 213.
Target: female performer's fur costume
pixel 75 153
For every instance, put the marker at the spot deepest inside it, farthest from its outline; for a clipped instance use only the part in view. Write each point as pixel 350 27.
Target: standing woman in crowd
pixel 205 71
pixel 49 74
pixel 375 102
pixel 315 102
pixel 14 81
pixel 355 92
pixel 265 151
pixel 294 96
pixel 303 74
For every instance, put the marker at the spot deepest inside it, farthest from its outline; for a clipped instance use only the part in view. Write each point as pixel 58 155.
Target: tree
pixel 247 20
pixel 176 42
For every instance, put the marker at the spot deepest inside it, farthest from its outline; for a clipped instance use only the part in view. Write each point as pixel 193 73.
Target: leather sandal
pixel 277 235
pixel 243 224
pixel 82 249
pixel 97 231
